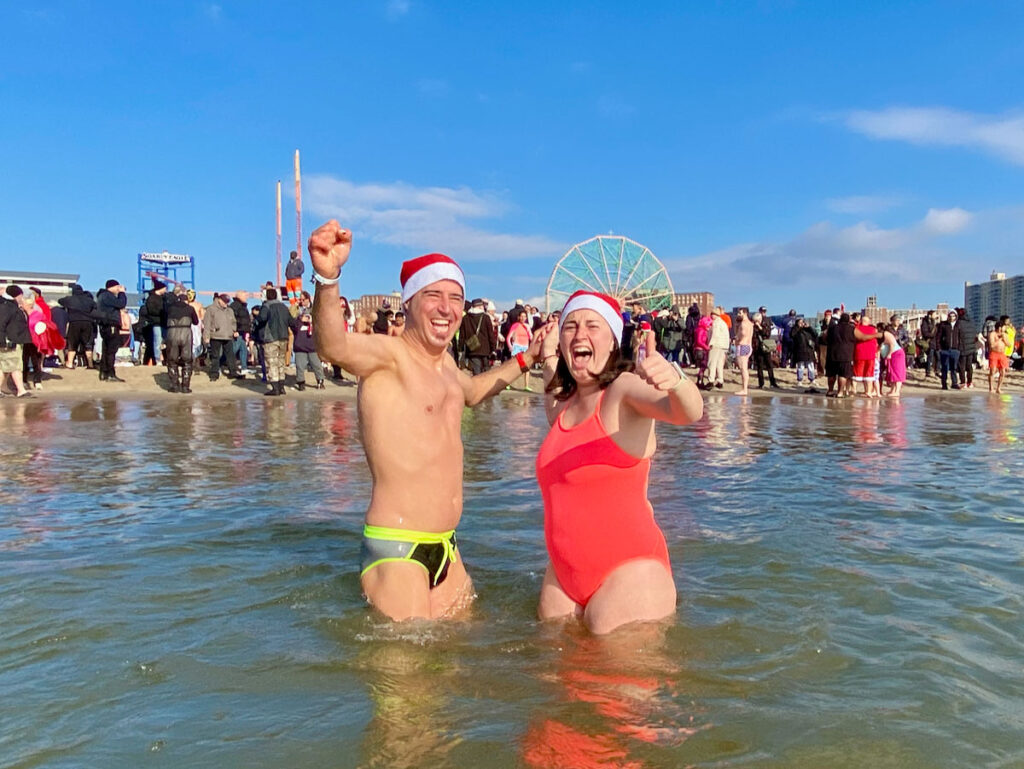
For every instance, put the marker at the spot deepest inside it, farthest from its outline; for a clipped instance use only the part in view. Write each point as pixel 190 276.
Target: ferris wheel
pixel 611 264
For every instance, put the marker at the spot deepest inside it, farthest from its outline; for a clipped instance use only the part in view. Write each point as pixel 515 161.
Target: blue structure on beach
pixel 173 269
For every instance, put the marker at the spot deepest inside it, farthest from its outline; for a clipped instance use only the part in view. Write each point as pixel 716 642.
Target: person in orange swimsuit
pixel 609 563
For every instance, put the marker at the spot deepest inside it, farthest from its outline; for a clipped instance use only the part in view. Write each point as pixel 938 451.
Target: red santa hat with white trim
pixel 605 306
pixel 420 272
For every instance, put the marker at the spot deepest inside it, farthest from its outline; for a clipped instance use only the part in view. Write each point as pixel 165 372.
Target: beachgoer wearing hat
pixel 219 332
pixel 478 337
pixel 110 300
pixel 153 319
pixel 411 399
pixel 609 563
pixel 14 335
pixel 293 277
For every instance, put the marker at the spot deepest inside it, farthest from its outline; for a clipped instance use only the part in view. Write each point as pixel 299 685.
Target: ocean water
pixel 178 588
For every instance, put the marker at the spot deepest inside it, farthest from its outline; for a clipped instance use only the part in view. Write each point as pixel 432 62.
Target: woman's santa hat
pixel 605 306
pixel 420 272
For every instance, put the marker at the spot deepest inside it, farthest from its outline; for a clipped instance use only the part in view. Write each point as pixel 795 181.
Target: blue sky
pixel 793 154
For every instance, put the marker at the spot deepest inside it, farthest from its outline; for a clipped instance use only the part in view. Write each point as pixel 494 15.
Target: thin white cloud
pixel 1000 135
pixel 863 204
pixel 826 255
pixel 396 9
pixel 424 218
pixel 213 11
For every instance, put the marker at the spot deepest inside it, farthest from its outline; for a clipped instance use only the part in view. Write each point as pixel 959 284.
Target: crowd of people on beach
pixel 171 328
pixel 853 349
pixel 852 352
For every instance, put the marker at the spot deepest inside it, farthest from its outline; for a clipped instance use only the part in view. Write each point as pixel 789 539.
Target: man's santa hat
pixel 605 306
pixel 420 272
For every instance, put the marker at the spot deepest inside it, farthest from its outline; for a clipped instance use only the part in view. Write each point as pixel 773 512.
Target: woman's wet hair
pixel 563 384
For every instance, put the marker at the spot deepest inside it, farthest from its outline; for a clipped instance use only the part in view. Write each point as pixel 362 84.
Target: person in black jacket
pixel 383 321
pixel 804 350
pixel 14 335
pixel 688 355
pixel 304 348
pixel 273 328
pixel 947 340
pixel 673 338
pixel 926 341
pixel 841 345
pixel 763 346
pixel 109 303
pixel 243 325
pixel 152 319
pixel 968 348
pixel 81 326
pixel 478 339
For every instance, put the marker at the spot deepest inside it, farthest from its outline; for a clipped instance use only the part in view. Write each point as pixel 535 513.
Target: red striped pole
pixel 298 207
pixel 278 233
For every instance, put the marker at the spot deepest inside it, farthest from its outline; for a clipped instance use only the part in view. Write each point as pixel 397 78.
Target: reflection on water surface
pixel 178 587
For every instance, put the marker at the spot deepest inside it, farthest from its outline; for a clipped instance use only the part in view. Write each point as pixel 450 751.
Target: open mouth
pixel 440 326
pixel 581 355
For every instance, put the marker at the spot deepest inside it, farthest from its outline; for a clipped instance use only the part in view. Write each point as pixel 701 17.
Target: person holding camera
pixel 304 347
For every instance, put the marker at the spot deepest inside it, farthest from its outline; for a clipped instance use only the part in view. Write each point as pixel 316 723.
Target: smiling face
pixel 434 312
pixel 586 343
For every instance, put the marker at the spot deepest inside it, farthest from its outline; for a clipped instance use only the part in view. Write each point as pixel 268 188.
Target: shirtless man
pixel 411 389
pixel 998 363
pixel 744 346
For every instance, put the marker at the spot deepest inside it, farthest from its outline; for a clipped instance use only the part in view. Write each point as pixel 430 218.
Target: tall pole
pixel 278 233
pixel 298 206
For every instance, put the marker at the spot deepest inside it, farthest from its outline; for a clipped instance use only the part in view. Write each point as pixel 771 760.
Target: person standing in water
pixel 409 386
pixel 609 563
pixel 744 347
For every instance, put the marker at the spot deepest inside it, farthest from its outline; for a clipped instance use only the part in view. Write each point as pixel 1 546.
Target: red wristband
pixel 521 360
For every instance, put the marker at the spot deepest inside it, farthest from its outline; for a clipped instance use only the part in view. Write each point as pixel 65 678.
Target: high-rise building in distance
pixel 997 296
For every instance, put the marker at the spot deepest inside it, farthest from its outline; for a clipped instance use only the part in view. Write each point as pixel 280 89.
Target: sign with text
pixel 166 258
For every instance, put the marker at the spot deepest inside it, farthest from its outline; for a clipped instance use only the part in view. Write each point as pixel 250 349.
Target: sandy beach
pixel 152 382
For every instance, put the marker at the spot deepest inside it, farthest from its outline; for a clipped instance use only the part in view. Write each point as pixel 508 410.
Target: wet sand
pixel 153 382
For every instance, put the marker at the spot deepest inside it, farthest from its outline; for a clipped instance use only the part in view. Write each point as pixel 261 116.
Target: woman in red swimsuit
pixel 609 563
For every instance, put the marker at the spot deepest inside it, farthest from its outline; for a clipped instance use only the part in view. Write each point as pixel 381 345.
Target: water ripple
pixel 848 572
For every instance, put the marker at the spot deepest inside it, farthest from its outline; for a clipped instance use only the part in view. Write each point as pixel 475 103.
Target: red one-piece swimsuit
pixel 596 512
